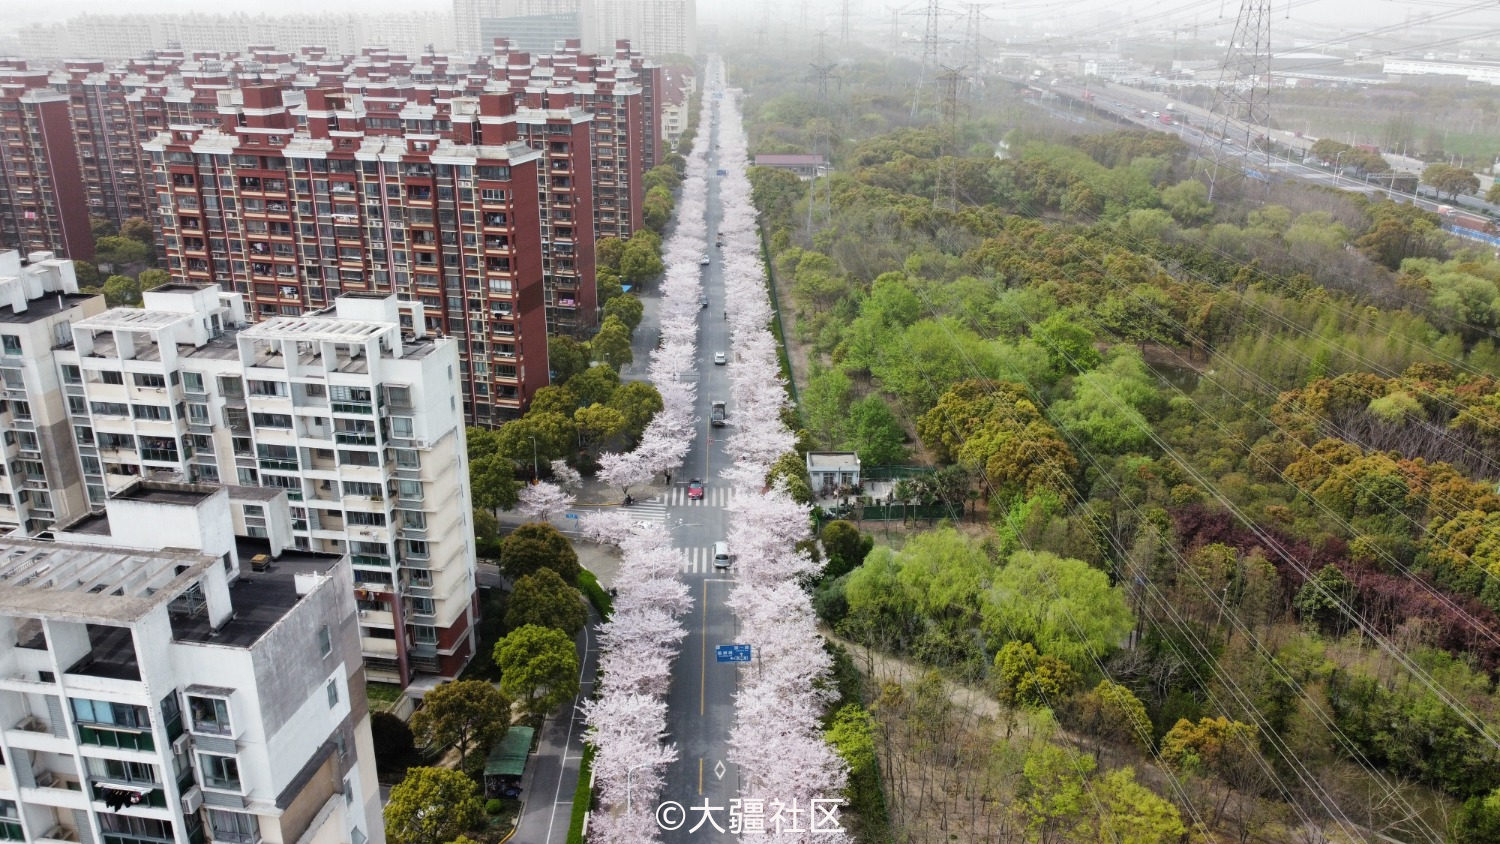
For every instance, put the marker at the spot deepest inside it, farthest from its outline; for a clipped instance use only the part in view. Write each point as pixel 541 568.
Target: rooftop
pixel 92 582
pixel 43 307
pixel 260 599
pixel 331 329
pixel 176 493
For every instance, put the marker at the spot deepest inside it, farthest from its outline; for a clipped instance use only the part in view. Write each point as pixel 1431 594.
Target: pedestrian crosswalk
pixel 713 496
pixel 700 560
pixel 653 509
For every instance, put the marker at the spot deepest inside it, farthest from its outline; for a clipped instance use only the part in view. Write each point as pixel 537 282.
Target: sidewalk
pixel 551 776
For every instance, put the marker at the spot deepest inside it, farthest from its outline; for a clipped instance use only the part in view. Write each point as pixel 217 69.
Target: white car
pixel 703 260
pixel 720 358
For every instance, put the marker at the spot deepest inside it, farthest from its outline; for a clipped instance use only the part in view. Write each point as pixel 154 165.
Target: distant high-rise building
pixel 654 27
pixel 43 203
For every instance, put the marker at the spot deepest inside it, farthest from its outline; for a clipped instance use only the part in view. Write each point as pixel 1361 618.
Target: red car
pixel 695 490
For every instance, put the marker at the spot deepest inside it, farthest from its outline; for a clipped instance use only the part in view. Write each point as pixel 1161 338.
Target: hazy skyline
pixel 1356 14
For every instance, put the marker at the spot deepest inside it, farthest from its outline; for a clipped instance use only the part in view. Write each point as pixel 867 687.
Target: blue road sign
pixel 572 515
pixel 732 653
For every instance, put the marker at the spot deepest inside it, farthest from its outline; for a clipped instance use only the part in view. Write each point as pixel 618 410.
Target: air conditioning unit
pixel 180 744
pixel 192 801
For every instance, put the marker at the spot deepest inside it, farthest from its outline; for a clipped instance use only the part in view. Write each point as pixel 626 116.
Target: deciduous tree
pixel 432 806
pixel 461 713
pixel 535 546
pixel 543 599
pixel 538 666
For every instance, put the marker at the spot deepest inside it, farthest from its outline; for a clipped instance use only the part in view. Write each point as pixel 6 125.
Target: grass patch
pixel 386 693
pixel 588 584
pixel 583 796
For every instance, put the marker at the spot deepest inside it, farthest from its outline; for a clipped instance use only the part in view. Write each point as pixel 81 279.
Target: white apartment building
pixel 352 413
pixel 39 481
pixel 153 691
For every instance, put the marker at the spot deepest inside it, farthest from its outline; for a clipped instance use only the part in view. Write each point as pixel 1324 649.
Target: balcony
pixel 59 833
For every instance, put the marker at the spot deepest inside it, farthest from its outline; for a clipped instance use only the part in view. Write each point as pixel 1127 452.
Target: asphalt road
pixel 1123 104
pixel 700 702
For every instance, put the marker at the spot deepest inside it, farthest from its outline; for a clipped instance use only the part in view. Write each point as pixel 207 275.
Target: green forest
pixel 1223 555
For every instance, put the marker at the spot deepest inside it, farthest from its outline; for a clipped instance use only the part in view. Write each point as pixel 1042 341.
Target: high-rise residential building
pixel 43 204
pixel 437 202
pixel 39 479
pixel 553 125
pixel 121 36
pixel 167 681
pixel 655 27
pixel 354 416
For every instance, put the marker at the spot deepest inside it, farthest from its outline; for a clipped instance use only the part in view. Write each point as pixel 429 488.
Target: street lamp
pixel 1337 169
pixel 535 475
pixel 628 772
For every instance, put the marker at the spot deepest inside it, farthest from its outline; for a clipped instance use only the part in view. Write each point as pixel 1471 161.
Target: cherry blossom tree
pixel 776 739
pixel 566 476
pixel 627 720
pixel 542 499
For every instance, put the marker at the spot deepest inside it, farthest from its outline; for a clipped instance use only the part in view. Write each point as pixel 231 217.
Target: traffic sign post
pixel 732 653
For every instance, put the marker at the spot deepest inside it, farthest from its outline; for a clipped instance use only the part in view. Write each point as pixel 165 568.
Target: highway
pixel 1123 104
pixel 700 701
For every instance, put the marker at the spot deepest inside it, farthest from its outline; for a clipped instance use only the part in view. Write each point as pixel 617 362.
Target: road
pixel 1124 104
pixel 700 701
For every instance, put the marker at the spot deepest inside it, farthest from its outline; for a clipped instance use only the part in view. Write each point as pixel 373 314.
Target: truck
pixel 716 415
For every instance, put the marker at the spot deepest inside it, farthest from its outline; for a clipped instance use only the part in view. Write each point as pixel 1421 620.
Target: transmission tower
pixel 974 40
pixel 822 69
pixel 932 43
pixel 1242 99
pixel 945 195
pixel 844 22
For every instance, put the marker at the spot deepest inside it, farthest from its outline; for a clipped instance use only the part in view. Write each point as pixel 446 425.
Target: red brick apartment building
pixel 295 176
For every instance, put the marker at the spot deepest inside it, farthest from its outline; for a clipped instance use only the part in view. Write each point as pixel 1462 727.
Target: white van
pixel 721 555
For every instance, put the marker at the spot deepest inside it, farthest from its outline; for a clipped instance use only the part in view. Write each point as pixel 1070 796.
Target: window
pixel 232 826
pixel 361 488
pixel 221 772
pixel 401 427
pixel 272 420
pixel 154 412
pixel 71 374
pixel 109 376
pixel 120 771
pixel 209 715
pixel 192 382
pixel 410 490
pixel 325 641
pixel 147 379
pixel 110 408
pixel 407 458
pixel 333 693
pixel 11 344
pixel 10 822
pixel 120 829
pixel 110 714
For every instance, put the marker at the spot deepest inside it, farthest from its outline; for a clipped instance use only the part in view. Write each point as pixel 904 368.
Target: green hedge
pixel 582 796
pixel 588 584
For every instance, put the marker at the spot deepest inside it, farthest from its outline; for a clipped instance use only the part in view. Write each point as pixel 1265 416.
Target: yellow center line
pixel 700 774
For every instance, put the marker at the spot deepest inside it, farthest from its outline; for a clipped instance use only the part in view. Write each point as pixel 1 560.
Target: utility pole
pixel 1242 98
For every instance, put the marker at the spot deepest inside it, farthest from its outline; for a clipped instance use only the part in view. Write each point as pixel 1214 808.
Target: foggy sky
pixel 1059 16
